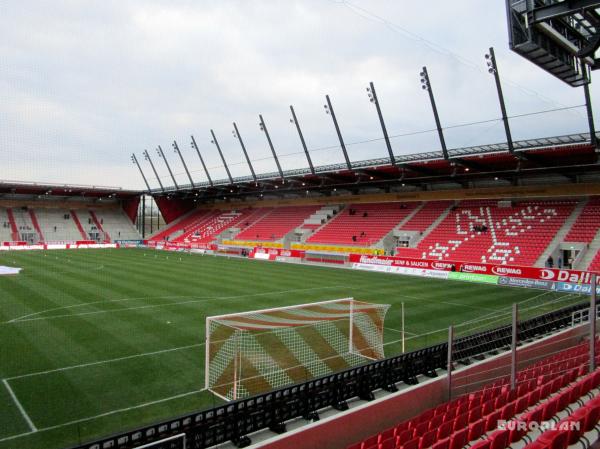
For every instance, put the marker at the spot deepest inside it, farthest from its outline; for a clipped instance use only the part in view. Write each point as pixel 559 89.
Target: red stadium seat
pixel 554 439
pixel 411 444
pixel 445 430
pixel 427 439
pixel 458 439
pixel 499 439
pixel 444 443
pixel 476 429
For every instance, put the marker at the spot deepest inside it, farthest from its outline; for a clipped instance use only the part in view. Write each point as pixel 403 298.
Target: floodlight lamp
pixel 368 89
pixel 372 100
pixel 487 56
pixel 291 120
pixel 424 87
pixel 422 74
pixel 491 70
pixel 212 141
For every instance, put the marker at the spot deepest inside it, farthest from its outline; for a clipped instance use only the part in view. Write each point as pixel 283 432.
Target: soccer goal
pixel 253 352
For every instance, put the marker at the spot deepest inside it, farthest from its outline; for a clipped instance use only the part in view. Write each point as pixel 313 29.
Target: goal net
pixel 254 352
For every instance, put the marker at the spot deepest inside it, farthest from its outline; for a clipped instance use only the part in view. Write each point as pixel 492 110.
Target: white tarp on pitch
pixel 9 270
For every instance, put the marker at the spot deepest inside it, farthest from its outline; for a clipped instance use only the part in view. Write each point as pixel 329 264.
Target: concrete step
pixel 433 225
pixel 590 253
pixel 560 235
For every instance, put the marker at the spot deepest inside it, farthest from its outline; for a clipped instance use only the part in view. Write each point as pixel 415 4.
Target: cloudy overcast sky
pixel 85 84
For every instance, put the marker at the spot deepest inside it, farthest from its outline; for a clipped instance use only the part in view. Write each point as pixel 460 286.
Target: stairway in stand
pixel 36 225
pixel 99 226
pixel 78 224
pixel 14 231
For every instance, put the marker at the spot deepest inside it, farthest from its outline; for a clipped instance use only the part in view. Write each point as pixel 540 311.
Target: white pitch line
pixel 102 362
pixel 23 318
pixel 19 406
pixel 399 331
pixel 102 415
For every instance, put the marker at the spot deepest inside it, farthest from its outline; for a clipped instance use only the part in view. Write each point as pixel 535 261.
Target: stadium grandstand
pixel 442 297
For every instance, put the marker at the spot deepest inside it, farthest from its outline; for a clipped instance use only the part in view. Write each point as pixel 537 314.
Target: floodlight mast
pixel 216 142
pixel 135 161
pixel 147 157
pixel 426 85
pixel 294 120
pixel 329 110
pixel 159 150
pixel 493 69
pixel 590 114
pixel 263 128
pixel 195 146
pixel 373 99
pixel 176 148
pixel 237 134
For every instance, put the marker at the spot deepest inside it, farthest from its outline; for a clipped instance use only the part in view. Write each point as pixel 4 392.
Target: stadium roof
pixel 9 189
pixel 568 156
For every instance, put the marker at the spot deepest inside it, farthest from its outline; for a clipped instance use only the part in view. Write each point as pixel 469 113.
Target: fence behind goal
pixel 252 352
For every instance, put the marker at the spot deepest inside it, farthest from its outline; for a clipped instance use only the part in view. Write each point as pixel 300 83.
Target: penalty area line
pixel 19 406
pixel 102 362
pixel 102 415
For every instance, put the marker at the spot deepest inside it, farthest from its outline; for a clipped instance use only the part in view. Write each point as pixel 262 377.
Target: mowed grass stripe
pixel 88 391
pixel 231 284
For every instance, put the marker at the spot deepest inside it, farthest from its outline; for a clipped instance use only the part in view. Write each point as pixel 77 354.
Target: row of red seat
pixel 587 224
pixel 362 224
pixel 488 233
pixel 586 417
pixel 277 223
pixel 452 425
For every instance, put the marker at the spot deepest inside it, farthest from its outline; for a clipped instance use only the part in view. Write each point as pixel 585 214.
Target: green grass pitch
pixel 96 341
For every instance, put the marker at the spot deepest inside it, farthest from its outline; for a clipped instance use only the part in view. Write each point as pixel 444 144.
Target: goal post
pixel 253 352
